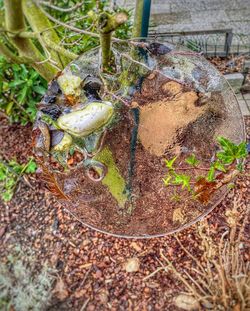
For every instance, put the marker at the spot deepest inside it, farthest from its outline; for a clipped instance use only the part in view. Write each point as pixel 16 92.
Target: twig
pixel 66 10
pixel 152 274
pixel 85 304
pixel 92 34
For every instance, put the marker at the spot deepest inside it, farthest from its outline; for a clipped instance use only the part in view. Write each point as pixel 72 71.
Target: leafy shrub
pixel 21 87
pixel 23 287
pixel 10 174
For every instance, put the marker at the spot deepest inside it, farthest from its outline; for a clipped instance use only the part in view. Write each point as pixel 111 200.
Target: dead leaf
pixel 60 290
pixel 186 302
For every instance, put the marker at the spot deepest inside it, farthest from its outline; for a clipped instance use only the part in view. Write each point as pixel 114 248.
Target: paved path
pixel 244 101
pixel 189 15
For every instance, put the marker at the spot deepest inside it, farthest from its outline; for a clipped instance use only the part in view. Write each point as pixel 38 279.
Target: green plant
pixel 49 35
pixel 49 48
pixel 21 88
pixel 227 164
pixel 23 287
pixel 10 174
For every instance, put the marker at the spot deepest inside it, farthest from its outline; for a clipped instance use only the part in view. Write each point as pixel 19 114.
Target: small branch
pixel 106 25
pixel 78 30
pixel 14 22
pixel 66 10
pixel 39 22
pixel 10 56
pixel 60 49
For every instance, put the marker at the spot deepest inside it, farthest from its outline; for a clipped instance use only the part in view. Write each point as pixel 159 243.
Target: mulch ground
pixel 91 264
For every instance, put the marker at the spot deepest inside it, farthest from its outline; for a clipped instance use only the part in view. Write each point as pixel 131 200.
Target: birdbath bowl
pixel 102 138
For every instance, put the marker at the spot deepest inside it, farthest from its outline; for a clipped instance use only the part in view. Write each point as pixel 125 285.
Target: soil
pixel 91 264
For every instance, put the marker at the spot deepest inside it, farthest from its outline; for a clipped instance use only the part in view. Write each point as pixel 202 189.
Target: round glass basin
pixel 111 144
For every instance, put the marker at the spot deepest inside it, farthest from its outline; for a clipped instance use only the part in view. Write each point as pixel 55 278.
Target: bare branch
pixel 78 30
pixel 60 49
pixel 67 10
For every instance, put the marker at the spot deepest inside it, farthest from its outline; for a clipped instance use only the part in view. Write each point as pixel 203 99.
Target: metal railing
pixel 220 42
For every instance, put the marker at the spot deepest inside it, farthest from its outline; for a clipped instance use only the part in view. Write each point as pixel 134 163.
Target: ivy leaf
pixel 183 180
pixel 239 167
pixel 192 160
pixel 167 180
pixel 31 168
pixel 227 145
pixel 170 163
pixel 220 166
pixel 225 158
pixel 211 173
pixel 242 150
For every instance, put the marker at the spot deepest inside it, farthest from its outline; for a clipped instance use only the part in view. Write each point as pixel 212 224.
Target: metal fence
pixel 221 42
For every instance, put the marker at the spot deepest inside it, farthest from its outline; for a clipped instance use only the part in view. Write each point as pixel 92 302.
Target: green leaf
pixel 191 160
pixel 39 89
pixel 211 174
pixel 220 166
pixel 7 195
pixel 2 175
pixel 226 159
pixel 31 168
pixel 242 151
pixel 170 163
pixel 239 167
pixel 167 180
pixel 227 145
pixel 71 150
pixel 16 83
pixel 183 180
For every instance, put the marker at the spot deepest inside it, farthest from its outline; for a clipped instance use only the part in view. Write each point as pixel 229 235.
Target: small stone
pixel 186 302
pixel 136 246
pixel 132 265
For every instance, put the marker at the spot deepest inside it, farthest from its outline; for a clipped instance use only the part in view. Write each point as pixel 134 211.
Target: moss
pixel 113 180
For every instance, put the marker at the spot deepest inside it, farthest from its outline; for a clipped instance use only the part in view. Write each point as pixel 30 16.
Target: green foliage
pixel 229 157
pixel 21 88
pixel 10 174
pixel 85 18
pixel 182 179
pixel 23 287
pixel 192 160
pixel 231 152
pixel 170 163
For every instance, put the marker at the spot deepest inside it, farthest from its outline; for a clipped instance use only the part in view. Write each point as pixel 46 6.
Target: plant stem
pixel 39 22
pixel 107 24
pixel 14 21
pixel 9 55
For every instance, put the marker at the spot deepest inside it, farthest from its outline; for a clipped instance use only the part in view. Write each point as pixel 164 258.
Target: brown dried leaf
pixel 52 183
pixel 60 290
